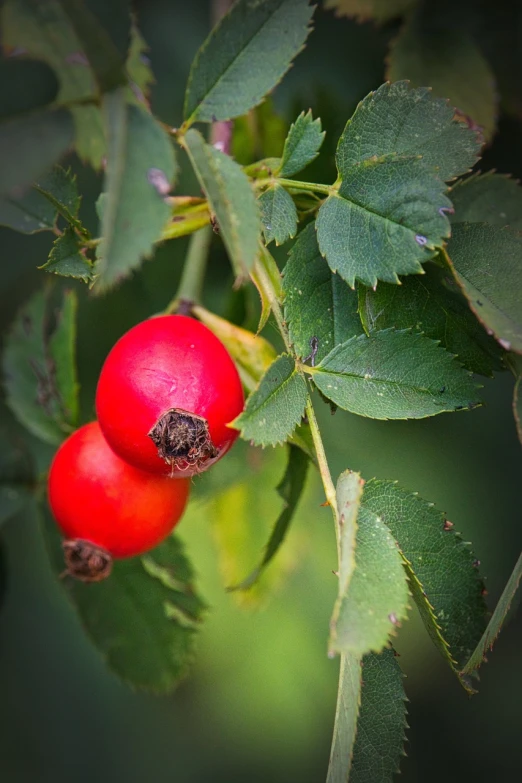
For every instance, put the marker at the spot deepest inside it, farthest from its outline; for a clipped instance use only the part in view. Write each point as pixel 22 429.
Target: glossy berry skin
pixel 97 497
pixel 168 363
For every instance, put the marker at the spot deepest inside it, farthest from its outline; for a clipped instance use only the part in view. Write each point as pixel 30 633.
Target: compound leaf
pixel 301 145
pixel 318 303
pixel 278 215
pixel 394 375
pixel 244 57
pixel 231 198
pixel 140 169
pixel 429 304
pixel 276 407
pixel 388 214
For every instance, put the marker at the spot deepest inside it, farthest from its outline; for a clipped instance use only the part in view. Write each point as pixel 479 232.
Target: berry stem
pixel 191 284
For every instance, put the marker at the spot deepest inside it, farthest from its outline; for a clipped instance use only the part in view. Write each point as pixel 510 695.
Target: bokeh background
pixel 260 699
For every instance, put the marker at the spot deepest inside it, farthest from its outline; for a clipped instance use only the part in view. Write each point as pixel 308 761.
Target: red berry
pixel 166 393
pixel 107 508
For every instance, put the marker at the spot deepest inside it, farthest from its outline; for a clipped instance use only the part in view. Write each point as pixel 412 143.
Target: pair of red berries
pixel 118 486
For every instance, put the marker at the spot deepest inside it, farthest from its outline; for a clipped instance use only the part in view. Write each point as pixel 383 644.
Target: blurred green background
pixel 260 700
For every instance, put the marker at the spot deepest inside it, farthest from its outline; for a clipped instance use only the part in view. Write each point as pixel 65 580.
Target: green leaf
pixel 443 574
pixel 27 85
pixel 346 713
pixel 266 267
pixel 101 52
pixel 301 145
pixel 241 517
pixel 348 493
pixel 516 365
pixel 140 169
pixel 65 258
pixel 231 198
pixel 278 215
pixel 399 120
pixel 43 31
pixel 29 145
pixel 244 57
pixel 302 438
pixel 144 617
pixel 39 371
pixel 381 727
pixel 427 304
pixel 488 198
pixel 394 375
pixel 90 137
pixel 258 135
pixel 252 354
pixel 389 214
pixel 451 63
pixel 318 303
pixel 33 132
pixel 138 66
pixel 365 10
pixel 496 622
pixel 60 189
pixel 12 500
pixel 487 262
pixel 375 600
pixel 16 474
pixel 62 354
pixel 387 219
pixel 28 213
pixel 290 488
pixel 276 407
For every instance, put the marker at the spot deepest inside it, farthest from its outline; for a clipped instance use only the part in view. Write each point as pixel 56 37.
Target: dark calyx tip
pixel 182 439
pixel 86 561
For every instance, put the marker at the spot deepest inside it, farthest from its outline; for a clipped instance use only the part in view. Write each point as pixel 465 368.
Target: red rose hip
pixel 166 393
pixel 106 508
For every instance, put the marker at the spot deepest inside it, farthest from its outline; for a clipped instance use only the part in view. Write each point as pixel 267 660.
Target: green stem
pixel 193 275
pixel 294 184
pixel 324 470
pixel 265 274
